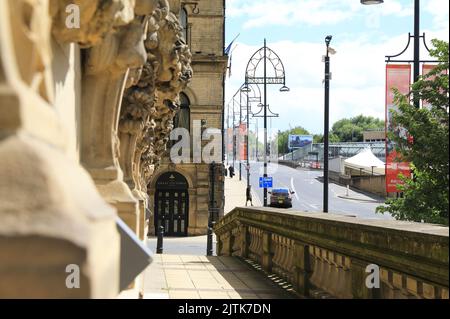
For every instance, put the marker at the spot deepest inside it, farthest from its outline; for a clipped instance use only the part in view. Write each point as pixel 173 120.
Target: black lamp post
pixel 234 138
pixel 240 131
pixel 416 59
pixel 265 55
pixel 326 125
pixel 242 89
pixel 256 97
pixel 228 135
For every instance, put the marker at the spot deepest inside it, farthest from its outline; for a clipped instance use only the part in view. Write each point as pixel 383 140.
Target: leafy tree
pixel 333 138
pixel 351 130
pixel 425 196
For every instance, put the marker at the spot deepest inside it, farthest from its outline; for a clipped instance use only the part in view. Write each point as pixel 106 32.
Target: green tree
pixel 333 138
pixel 425 196
pixel 351 130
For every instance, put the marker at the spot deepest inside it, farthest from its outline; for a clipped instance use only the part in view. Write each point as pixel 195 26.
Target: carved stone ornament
pixel 150 104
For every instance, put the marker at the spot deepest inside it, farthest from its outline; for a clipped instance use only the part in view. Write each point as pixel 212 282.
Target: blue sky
pixel 362 36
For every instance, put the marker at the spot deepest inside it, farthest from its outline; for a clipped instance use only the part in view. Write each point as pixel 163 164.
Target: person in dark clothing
pixel 248 195
pixel 231 170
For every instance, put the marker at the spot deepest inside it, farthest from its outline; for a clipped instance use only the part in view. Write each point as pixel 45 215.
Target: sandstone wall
pixel 75 150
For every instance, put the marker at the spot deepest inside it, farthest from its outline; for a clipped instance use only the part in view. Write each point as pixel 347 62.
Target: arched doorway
pixel 172 204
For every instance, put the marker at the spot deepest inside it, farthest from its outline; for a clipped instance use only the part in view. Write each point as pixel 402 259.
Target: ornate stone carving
pixel 107 66
pixel 150 105
pixel 98 18
pixel 30 35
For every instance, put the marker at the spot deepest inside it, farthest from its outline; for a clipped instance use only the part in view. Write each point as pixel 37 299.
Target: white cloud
pixel 439 9
pixel 309 12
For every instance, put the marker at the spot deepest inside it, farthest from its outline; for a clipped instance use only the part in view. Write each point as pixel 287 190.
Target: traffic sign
pixel 266 182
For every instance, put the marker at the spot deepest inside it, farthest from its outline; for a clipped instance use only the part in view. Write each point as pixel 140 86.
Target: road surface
pixel 309 191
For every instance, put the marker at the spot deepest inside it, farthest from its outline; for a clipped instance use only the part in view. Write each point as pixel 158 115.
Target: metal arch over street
pixel 274 59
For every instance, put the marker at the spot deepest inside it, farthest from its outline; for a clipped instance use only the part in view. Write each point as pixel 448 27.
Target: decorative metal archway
pixel 265 55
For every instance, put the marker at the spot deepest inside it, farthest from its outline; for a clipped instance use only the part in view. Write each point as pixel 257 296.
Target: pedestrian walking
pixel 248 195
pixel 231 169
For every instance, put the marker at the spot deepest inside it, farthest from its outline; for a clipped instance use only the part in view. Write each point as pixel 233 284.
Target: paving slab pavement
pixel 184 272
pixel 201 277
pixel 235 191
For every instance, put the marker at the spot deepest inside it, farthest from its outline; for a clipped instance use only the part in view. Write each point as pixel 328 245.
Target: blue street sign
pixel 265 182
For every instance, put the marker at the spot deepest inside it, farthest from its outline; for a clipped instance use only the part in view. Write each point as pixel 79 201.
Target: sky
pixel 362 36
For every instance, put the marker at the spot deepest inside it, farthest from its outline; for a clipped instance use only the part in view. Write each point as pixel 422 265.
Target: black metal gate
pixel 172 204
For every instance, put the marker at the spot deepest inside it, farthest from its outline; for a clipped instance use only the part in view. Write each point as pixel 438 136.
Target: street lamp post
pixel 257 139
pixel 265 54
pixel 228 135
pixel 240 131
pixel 243 88
pixel 246 141
pixel 234 138
pixel 247 89
pixel 326 125
pixel 416 44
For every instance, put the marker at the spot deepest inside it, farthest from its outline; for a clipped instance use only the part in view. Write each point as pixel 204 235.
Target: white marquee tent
pixel 365 160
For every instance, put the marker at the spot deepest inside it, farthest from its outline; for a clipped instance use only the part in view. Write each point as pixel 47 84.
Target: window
pixel 184 24
pixel 183 117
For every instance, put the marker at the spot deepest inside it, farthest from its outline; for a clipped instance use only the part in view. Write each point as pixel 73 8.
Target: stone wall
pixel 84 114
pixel 326 255
pixel 372 184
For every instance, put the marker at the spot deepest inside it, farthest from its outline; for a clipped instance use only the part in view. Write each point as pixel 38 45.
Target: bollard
pixel 209 240
pixel 159 242
pixel 347 190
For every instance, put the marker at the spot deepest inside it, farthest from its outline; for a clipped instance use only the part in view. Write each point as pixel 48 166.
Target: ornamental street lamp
pixel 234 101
pixel 265 54
pixel 240 91
pixel 253 94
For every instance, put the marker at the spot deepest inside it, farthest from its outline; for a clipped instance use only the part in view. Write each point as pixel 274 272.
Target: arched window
pixel 183 118
pixel 184 23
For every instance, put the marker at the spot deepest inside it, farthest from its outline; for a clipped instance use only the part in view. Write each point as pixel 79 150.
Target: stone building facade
pixel 185 196
pixel 88 92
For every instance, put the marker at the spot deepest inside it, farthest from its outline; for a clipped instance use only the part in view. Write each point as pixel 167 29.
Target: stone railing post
pixel 224 244
pixel 244 244
pixel 267 252
pixel 359 276
pixel 302 268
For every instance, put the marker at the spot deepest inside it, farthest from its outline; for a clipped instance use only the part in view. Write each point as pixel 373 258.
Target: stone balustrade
pixel 335 255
